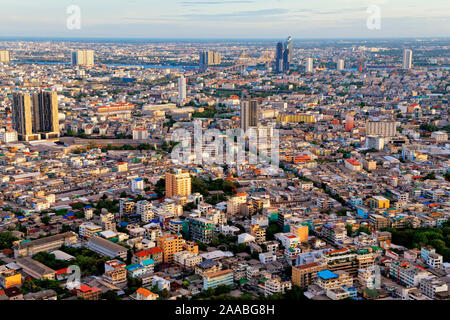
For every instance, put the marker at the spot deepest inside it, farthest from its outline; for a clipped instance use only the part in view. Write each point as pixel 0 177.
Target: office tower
pixel 283 56
pixel 181 89
pixel 4 56
pixel 21 116
pixel 349 122
pixel 385 128
pixel 279 58
pixel 249 114
pixel 288 46
pixel 286 64
pixel 178 184
pixel 209 58
pixel 45 114
pixel 407 59
pixel 83 58
pixel 340 64
pixel 309 64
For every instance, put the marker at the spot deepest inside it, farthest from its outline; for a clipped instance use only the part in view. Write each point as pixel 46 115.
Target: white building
pixel 181 89
pixel 340 64
pixel 140 134
pixel 83 58
pixel 407 59
pixel 309 64
pixel 137 185
pixel 7 136
pixel 375 142
pixel 274 286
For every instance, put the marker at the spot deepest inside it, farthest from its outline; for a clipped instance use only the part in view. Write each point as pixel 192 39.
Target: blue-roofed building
pixel 136 270
pixel 327 274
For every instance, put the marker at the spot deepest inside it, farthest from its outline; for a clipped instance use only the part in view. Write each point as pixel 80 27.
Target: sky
pixel 226 19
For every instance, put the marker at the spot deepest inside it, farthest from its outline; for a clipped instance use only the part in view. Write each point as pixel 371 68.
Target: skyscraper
pixel 45 114
pixel 407 59
pixel 340 64
pixel 309 64
pixel 181 89
pixel 21 116
pixel 83 58
pixel 283 56
pixel 279 58
pixel 249 114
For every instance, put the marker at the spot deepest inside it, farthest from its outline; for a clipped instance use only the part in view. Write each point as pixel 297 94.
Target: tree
pixel 6 240
pixel 45 220
pixel 111 295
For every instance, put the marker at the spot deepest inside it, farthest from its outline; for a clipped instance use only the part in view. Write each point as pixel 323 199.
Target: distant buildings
pixel 83 58
pixel 407 59
pixel 209 58
pixel 340 65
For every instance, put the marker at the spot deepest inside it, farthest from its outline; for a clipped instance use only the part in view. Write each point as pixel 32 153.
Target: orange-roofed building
pixel 145 294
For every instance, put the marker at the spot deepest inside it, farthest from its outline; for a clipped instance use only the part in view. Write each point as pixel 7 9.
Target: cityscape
pixel 225 169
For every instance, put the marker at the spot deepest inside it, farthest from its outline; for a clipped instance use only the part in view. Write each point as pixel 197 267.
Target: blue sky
pixel 225 18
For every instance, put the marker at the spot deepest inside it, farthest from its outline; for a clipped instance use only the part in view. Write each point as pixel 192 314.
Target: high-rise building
pixel 407 59
pixel 309 64
pixel 4 56
pixel 279 58
pixel 283 56
pixel 45 114
pixel 181 89
pixel 22 116
pixel 178 184
pixel 83 58
pixel 386 128
pixel 340 64
pixel 349 122
pixel 249 113
pixel 209 58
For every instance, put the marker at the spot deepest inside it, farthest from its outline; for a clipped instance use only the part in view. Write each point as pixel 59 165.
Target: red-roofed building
pixel 353 165
pixel 87 293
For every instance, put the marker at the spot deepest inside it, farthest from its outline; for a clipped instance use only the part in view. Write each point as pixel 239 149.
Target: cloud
pixel 200 3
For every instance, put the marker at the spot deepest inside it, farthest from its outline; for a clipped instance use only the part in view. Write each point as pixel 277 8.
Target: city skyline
pixel 227 19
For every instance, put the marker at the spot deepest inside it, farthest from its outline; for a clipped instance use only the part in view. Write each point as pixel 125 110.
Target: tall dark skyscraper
pixel 249 113
pixel 46 122
pixel 283 56
pixel 279 58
